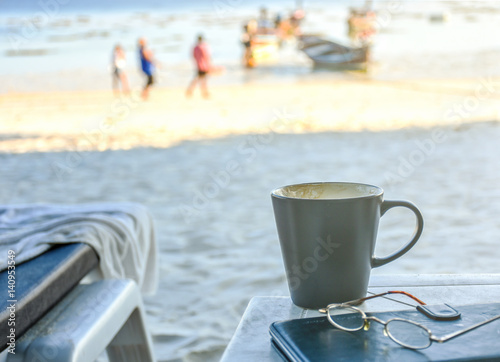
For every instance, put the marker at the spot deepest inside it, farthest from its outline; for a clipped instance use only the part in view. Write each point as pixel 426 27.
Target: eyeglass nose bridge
pixel 372 318
pixel 368 319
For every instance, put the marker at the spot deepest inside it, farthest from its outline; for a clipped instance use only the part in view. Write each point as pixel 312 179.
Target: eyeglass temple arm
pixel 359 301
pixel 456 334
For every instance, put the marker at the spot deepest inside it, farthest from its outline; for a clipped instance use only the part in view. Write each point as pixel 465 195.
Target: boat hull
pixel 328 53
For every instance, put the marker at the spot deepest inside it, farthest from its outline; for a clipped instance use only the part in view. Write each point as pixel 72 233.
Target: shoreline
pixel 40 121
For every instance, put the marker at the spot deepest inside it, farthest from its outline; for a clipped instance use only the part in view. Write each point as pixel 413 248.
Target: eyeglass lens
pixel 352 321
pixel 408 334
pixel 403 332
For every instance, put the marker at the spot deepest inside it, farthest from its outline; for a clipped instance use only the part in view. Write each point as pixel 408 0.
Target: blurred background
pixel 67 44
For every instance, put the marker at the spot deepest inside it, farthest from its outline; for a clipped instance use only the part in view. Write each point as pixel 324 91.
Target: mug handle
pixel 386 205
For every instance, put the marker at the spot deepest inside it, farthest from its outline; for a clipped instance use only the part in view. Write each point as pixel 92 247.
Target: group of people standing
pixel 149 64
pixel 264 31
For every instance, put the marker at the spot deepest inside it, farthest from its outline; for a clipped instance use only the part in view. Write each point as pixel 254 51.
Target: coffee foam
pixel 328 191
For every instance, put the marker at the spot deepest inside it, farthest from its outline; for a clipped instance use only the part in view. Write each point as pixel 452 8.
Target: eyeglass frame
pixel 445 312
pixel 367 319
pixel 361 300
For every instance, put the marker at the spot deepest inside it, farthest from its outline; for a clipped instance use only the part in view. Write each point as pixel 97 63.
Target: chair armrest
pixel 41 283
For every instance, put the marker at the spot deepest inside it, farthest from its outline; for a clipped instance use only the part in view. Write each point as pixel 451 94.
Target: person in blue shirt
pixel 147 66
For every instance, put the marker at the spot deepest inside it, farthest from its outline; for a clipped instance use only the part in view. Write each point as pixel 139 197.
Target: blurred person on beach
pixel 265 26
pixel 201 57
pixel 296 18
pixel 277 21
pixel 252 27
pixel 247 41
pixel 118 61
pixel 147 66
pixel 361 26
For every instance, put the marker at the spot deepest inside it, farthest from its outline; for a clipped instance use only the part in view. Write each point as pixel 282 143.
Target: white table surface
pixel 251 341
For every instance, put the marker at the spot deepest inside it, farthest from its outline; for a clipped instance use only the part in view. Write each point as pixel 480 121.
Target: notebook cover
pixel 315 339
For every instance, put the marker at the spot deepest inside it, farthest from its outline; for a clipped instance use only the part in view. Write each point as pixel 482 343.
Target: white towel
pixel 122 234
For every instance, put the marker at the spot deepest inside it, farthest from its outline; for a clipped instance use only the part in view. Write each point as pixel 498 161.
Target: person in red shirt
pixel 201 56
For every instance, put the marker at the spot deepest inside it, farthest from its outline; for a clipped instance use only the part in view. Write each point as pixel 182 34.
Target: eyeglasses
pixel 404 332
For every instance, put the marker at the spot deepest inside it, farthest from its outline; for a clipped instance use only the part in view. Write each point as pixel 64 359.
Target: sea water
pixel 56 44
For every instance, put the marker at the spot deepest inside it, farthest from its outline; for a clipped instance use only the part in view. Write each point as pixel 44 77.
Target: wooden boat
pixel 329 53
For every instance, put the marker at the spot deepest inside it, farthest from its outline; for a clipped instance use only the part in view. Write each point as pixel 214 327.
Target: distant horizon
pixel 22 7
pixel 69 6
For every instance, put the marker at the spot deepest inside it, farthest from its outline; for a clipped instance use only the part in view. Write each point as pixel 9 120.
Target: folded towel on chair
pixel 122 234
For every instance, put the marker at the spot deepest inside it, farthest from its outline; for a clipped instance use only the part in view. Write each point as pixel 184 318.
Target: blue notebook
pixel 315 339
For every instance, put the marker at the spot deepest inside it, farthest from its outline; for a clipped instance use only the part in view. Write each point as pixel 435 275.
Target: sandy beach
pixel 97 120
pixel 205 169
